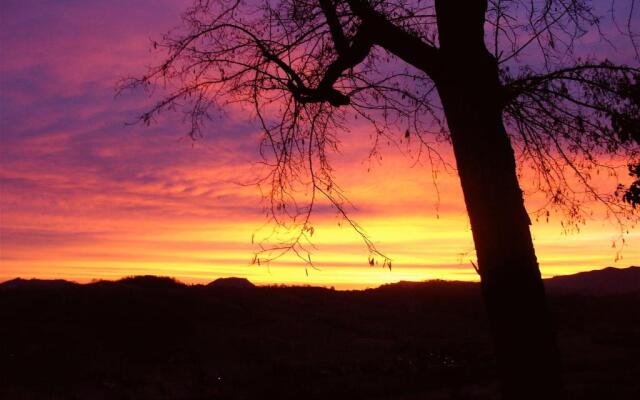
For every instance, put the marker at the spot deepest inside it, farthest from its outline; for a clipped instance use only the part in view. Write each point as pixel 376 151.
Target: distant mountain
pixel 242 283
pixel 151 282
pixel 20 283
pixel 603 282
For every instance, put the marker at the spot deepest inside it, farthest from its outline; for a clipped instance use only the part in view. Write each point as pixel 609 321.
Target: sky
pixel 84 195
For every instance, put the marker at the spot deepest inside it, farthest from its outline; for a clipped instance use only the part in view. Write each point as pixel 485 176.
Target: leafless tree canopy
pixel 310 67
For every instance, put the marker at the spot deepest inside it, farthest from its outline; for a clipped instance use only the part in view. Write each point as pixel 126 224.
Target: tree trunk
pixel 471 93
pixel 512 287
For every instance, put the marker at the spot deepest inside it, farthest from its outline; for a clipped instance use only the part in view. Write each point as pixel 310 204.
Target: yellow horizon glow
pixel 423 247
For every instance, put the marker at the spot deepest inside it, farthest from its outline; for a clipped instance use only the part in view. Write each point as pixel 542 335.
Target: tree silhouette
pixel 495 78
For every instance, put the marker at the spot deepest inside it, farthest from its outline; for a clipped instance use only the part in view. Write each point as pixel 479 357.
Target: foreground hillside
pixel 153 338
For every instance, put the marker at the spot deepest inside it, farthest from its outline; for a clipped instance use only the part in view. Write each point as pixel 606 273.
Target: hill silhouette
pixel 20 283
pixel 608 281
pixel 156 338
pixel 151 282
pixel 239 283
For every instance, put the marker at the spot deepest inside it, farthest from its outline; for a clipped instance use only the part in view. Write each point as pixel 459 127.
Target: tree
pixel 495 78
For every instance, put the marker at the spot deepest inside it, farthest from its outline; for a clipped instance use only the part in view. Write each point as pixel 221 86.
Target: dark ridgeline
pixel 231 283
pixel 474 74
pixel 606 282
pixel 155 338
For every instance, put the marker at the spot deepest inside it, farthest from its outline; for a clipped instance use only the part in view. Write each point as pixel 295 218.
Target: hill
pixel 156 338
pixel 604 282
pixel 238 283
pixel 20 283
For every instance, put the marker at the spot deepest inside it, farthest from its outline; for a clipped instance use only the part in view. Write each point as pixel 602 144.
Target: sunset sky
pixel 85 196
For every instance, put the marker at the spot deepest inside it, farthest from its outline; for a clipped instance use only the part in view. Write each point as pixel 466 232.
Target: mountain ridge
pixel 606 281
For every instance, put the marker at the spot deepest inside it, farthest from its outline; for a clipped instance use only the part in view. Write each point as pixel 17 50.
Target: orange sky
pixel 83 197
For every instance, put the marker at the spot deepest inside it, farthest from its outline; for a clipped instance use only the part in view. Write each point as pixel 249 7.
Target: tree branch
pixel 340 41
pixel 530 82
pixel 409 48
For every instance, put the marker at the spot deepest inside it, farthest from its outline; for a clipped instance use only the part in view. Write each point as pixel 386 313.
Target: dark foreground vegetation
pixel 154 338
